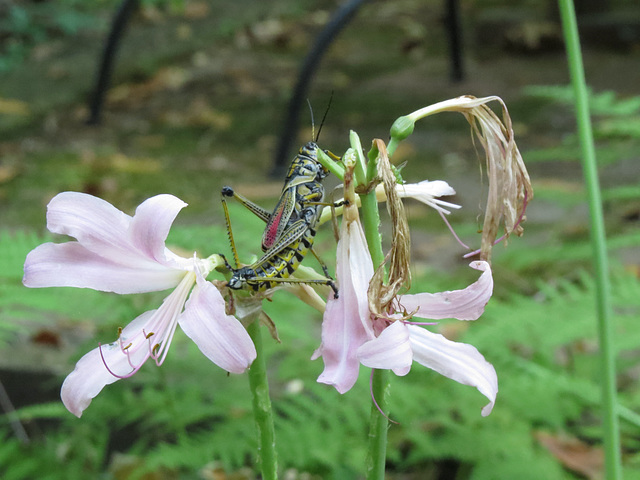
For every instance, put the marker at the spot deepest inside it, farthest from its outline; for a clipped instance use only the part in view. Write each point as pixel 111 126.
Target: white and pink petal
pixel 105 365
pixel 458 361
pixel 98 225
pixel 346 324
pixel 114 251
pixel 151 224
pixel 466 304
pixel 71 265
pixel 360 270
pixel 427 191
pixel 391 350
pixel 220 337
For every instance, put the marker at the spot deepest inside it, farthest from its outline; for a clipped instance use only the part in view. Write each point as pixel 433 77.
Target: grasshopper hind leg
pixel 274 280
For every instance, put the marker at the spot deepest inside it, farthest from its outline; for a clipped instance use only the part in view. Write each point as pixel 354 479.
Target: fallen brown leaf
pixel 574 454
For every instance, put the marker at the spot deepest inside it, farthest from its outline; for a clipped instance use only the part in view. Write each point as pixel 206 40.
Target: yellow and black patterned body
pixel 302 187
pixel 271 270
pixel 290 229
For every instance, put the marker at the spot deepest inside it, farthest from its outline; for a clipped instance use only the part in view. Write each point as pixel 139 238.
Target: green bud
pixel 402 128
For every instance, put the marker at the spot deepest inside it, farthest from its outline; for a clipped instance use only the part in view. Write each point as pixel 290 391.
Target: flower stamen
pixel 375 402
pixel 104 362
pixel 453 232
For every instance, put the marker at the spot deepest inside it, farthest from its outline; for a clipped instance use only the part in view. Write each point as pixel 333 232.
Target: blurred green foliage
pixel 23 25
pixel 173 421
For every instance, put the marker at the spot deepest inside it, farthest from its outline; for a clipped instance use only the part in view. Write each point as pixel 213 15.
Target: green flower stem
pixel 370 223
pixel 378 423
pixel 393 144
pixel 267 457
pixel 598 241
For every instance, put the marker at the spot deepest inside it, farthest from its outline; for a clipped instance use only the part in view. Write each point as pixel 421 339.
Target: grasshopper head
pixel 236 283
pixel 239 278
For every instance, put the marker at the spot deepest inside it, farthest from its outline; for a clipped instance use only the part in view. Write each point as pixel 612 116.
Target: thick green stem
pixel 378 423
pixel 598 240
pixel 262 412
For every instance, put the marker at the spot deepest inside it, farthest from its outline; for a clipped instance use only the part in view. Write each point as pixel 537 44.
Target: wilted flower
pixel 115 252
pixel 509 185
pixel 353 335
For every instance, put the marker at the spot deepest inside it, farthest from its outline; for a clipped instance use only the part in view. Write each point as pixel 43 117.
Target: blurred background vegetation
pixel 199 91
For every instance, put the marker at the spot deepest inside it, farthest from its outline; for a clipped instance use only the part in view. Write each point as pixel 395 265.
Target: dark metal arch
pixel 103 77
pixel 338 21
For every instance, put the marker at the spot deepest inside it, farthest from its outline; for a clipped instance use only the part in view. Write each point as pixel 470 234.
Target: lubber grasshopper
pixel 290 229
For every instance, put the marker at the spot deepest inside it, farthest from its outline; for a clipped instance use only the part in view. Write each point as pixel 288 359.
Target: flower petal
pixel 88 378
pixel 459 361
pixel 467 304
pixel 220 337
pixel 95 223
pixel 114 251
pixel 151 225
pixel 346 324
pixel 427 191
pixel 106 231
pixel 360 271
pixel 91 374
pixel 390 350
pixel 71 265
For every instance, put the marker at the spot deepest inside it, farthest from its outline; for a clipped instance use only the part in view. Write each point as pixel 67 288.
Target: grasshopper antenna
pixel 313 125
pixel 324 117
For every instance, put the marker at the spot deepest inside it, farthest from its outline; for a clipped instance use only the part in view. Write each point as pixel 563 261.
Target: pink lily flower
pixel 351 335
pixel 115 252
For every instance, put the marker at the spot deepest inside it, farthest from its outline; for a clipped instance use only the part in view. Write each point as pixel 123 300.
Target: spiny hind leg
pixel 227 220
pixel 318 281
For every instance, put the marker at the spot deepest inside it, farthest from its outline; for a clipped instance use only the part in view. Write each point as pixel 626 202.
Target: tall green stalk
pixel 380 386
pixel 598 240
pixel 267 457
pixel 380 379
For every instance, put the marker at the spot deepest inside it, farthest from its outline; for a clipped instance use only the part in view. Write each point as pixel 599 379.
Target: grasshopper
pixel 290 229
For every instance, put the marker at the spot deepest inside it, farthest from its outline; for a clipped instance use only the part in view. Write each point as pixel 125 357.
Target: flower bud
pixel 402 128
